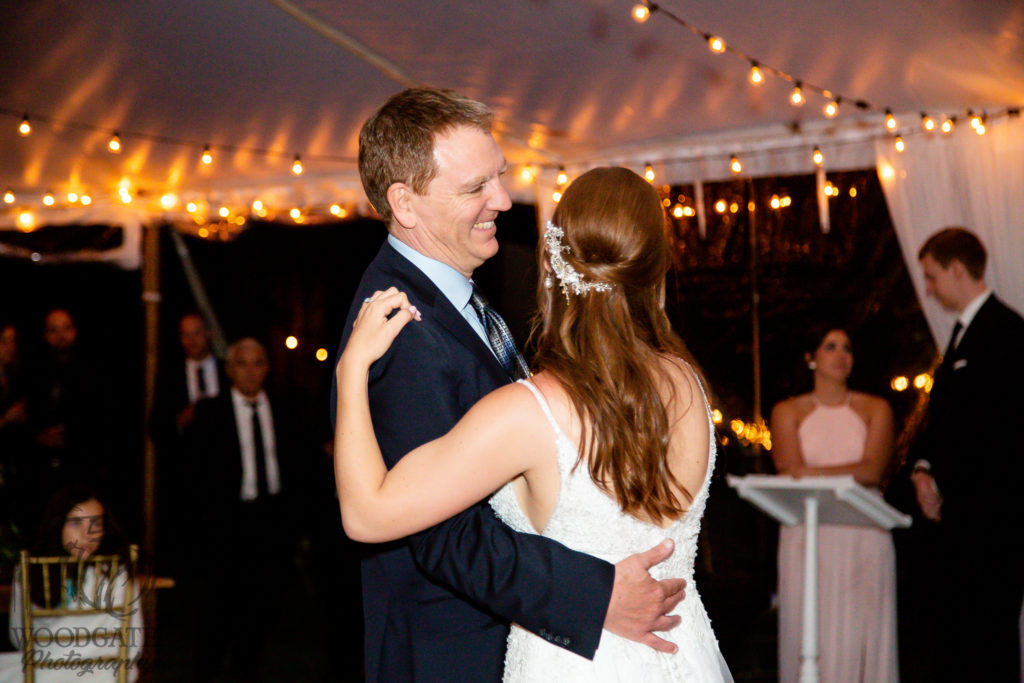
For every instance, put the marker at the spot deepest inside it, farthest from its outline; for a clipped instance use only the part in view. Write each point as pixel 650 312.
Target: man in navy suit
pixel 968 470
pixel 437 605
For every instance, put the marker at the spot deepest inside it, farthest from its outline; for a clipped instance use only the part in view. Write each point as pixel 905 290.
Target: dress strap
pixel 543 405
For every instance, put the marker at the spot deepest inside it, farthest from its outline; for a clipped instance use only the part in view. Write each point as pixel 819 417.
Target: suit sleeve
pixel 557 593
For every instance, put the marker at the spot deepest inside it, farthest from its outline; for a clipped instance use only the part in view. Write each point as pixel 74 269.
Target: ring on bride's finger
pixel 367 300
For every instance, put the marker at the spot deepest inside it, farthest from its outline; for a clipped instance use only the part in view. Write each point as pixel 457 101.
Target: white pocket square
pixel 962 363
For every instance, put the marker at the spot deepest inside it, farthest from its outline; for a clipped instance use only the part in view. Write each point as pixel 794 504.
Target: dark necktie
pixel 262 492
pixel 500 338
pixel 200 382
pixel 953 339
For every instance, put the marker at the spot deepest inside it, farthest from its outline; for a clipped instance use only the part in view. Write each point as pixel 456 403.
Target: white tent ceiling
pixel 573 82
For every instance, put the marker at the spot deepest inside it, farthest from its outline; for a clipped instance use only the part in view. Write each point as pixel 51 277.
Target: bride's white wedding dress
pixel 589 520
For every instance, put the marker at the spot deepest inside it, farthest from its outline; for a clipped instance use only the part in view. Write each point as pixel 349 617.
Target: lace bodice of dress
pixel 587 519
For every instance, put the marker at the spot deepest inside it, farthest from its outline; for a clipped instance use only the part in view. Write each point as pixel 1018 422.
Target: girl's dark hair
pixel 606 347
pixel 47 540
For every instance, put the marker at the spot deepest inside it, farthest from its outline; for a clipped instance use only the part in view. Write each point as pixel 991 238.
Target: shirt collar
pixel 242 401
pixel 971 309
pixel 453 284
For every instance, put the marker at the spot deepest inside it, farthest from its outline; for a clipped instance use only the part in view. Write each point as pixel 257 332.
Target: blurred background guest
pixel 12 420
pixel 833 430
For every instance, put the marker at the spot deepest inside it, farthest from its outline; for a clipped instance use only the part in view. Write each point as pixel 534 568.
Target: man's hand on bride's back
pixel 639 604
pixel 380 319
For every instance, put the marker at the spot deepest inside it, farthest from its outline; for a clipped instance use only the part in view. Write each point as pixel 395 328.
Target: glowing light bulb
pixel 295 214
pixel 24 128
pixel 716 416
pixel 797 96
pixel 853 192
pixel 86 200
pixel 756 77
pixel 721 206
pixel 223 212
pixel 890 120
pixel 321 354
pixel 9 197
pixel 921 380
pixel 207 157
pixel 899 144
pixel 947 126
pixel 899 383
pixel 832 108
pixel 927 123
pixel 257 205
pixel 291 342
pixel 735 164
pixel 818 157
pixel 831 190
pixel 203 232
pixel 734 207
pixel 562 178
pixel 114 144
pixel 126 196
pixel 980 128
pixel 975 119
pixel 527 174
pixel 72 197
pixel 168 201
pixel 48 199
pixel 775 202
pixel 297 165
pixel 716 44
pixel 641 13
pixel 786 201
pixel 556 196
pixel 677 211
pixel 649 173
pixel 191 207
pixel 689 211
pixel 26 221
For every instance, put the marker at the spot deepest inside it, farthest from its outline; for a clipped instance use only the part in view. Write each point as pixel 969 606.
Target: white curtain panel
pixel 974 181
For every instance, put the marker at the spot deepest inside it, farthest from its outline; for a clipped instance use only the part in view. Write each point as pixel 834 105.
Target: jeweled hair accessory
pixel 567 276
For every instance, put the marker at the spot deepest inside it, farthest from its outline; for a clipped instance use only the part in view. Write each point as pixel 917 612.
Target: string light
pixel 735 164
pixel 191 207
pixel 24 128
pixel 641 13
pixel 947 125
pixel 832 108
pixel 86 200
pixel 257 205
pixel 853 192
pixel 321 354
pixel 818 157
pixel 830 190
pixel 9 197
pixel 297 165
pixel 527 173
pixel 927 122
pixel 296 214
pixel 563 177
pixel 677 211
pixel 26 221
pixel 556 196
pixel 721 206
pixel 223 212
pixel 899 383
pixel 890 120
pixel 338 210
pixel 899 144
pixel 168 201
pixel 775 202
pixel 72 197
pixel 207 157
pixel 291 342
pixel 48 199
pixel 689 211
pixel 114 144
pixel 980 128
pixel 649 173
pixel 797 96
pixel 756 77
pixel 716 44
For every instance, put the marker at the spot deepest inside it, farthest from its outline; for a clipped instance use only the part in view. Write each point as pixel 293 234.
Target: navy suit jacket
pixel 437 604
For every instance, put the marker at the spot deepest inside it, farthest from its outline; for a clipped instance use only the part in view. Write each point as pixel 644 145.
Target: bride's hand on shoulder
pixel 375 328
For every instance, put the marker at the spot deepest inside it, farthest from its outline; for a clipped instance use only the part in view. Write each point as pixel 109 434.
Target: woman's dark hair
pixel 606 347
pixel 48 536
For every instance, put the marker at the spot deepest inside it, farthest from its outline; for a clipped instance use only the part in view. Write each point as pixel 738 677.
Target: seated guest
pixel 78 524
pixel 833 430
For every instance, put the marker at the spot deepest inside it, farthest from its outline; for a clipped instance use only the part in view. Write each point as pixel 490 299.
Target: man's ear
pixel 400 197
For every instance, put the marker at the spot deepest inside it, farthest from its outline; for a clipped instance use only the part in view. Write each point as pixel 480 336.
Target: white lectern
pixel 831 500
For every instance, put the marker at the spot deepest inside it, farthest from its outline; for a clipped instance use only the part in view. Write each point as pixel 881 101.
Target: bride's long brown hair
pixel 606 347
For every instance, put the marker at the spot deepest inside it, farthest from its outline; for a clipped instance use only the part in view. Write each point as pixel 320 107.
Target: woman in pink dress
pixel 835 431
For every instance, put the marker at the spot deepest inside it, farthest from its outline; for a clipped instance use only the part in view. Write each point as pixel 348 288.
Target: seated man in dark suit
pixel 245 458
pixel 968 473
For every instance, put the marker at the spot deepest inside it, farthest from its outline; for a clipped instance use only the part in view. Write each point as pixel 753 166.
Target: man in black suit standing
pixel 437 605
pixel 245 459
pixel 968 470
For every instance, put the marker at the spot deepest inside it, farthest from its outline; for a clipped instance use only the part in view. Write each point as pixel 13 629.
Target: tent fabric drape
pixel 974 181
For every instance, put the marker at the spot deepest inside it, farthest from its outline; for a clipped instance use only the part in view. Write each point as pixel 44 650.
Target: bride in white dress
pixel 608 448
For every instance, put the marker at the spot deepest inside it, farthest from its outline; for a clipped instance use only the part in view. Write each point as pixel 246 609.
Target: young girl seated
pixel 75 523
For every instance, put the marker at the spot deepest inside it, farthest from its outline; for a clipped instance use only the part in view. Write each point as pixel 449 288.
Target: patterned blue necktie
pixel 501 339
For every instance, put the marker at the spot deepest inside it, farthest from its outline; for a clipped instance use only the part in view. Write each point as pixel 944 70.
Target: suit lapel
pixel 442 311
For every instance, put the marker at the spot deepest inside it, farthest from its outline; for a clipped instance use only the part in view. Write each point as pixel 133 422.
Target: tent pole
pixel 151 304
